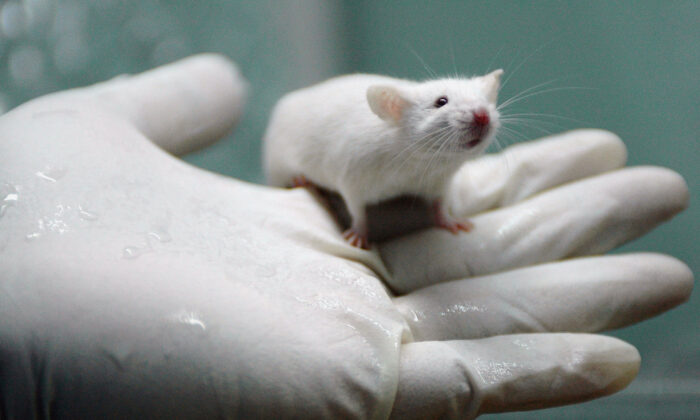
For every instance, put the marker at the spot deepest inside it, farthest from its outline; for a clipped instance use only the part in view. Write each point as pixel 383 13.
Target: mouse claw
pixel 455 227
pixel 300 181
pixel 356 239
pixel 445 221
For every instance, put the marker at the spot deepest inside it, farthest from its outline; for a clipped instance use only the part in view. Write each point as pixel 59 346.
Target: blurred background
pixel 628 66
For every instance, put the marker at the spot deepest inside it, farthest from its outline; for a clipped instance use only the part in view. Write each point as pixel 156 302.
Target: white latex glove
pixel 133 285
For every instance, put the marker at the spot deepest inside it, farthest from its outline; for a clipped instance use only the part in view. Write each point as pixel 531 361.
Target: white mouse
pixel 371 138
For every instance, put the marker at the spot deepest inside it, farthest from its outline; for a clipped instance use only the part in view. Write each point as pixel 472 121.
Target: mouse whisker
pixel 414 146
pixel 433 139
pixel 442 141
pixel 518 136
pixel 397 161
pixel 535 114
pixel 424 143
pixel 524 92
pixel 525 60
pixel 534 124
pixel 556 89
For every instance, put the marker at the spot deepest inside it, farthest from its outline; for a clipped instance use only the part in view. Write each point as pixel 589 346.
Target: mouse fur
pixel 372 138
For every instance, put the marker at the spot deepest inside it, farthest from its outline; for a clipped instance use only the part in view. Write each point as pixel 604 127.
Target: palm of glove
pixel 129 273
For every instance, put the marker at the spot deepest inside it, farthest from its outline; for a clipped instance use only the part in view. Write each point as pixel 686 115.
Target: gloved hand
pixel 134 285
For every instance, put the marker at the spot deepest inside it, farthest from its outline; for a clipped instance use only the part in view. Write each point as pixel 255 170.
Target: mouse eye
pixel 440 101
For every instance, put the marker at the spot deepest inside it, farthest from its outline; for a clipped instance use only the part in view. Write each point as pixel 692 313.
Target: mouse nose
pixel 480 117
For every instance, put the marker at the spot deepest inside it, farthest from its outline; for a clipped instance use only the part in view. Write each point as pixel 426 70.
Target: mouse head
pixel 446 115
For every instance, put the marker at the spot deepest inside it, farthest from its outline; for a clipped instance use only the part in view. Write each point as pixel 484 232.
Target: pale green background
pixel 640 59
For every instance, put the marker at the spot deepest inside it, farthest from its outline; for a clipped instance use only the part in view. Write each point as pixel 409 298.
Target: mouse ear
pixel 493 83
pixel 386 101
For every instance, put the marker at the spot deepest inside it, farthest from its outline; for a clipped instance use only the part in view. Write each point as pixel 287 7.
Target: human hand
pixel 135 285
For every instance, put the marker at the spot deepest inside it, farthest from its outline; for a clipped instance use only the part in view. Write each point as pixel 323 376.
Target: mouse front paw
pixel 445 221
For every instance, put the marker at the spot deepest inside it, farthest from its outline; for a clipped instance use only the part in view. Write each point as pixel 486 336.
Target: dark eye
pixel 440 101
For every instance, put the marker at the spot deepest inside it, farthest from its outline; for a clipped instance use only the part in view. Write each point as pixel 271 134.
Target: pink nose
pixel 481 117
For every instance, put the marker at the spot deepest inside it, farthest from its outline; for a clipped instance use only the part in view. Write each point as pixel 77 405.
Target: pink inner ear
pixel 394 105
pixel 386 102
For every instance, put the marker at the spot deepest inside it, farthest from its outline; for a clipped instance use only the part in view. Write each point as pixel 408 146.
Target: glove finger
pixel 582 295
pixel 462 379
pixel 587 217
pixel 182 106
pixel 525 169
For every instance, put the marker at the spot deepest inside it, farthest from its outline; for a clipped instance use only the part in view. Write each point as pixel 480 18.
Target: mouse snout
pixel 477 124
pixel 478 127
pixel 480 118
